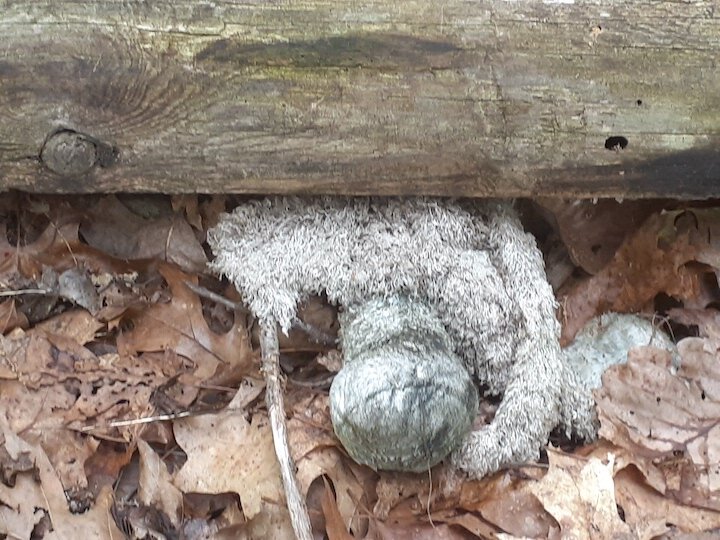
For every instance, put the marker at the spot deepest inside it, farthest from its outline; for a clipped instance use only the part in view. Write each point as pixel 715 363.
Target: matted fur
pixel 469 262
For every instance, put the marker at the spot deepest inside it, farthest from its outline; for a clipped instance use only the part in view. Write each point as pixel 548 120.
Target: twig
pixel 137 421
pixel 24 291
pixel 276 411
pixel 314 333
pixel 215 297
pixel 322 382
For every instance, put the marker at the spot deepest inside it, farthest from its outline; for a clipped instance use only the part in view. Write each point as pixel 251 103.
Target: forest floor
pixel 131 406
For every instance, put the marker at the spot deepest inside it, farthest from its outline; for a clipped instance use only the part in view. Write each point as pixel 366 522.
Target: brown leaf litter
pixel 139 413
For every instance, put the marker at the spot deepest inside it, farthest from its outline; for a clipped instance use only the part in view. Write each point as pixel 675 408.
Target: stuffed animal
pixel 441 302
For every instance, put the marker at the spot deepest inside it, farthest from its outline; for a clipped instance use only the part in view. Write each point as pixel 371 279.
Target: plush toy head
pixel 403 399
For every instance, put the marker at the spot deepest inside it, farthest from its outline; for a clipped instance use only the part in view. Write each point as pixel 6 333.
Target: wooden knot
pixel 70 153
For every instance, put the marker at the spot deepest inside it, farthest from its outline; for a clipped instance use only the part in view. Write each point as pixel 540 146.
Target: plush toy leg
pixel 541 392
pixel 276 411
pixel 530 409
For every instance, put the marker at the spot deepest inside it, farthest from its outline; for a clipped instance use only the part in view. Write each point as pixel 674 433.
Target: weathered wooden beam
pixel 447 97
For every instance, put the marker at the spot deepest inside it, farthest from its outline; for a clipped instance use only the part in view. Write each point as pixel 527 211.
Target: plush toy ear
pixel 398 412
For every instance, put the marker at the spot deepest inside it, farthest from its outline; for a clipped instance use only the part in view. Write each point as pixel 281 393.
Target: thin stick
pixel 215 297
pixel 276 411
pixel 144 420
pixel 19 292
pixel 314 333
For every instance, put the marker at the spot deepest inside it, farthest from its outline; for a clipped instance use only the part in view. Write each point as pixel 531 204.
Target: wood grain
pixel 442 97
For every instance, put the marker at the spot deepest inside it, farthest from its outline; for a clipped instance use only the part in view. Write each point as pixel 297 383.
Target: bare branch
pixel 276 411
pixel 215 297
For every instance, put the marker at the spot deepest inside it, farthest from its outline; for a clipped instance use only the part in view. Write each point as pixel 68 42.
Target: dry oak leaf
pixel 58 247
pixel 659 411
pixel 652 514
pixel 273 521
pixel 107 387
pixel 653 260
pixel 226 453
pixel 580 494
pixel 10 317
pixel 330 463
pixel 114 229
pixel 180 326
pixel 51 387
pixel 672 418
pixel 335 525
pixel 315 451
pixel 55 247
pixel 593 230
pixel 155 485
pixel 34 499
pixel 77 324
pixel 419 531
pixel 506 501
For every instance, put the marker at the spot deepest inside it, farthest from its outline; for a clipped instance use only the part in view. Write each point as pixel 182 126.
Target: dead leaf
pixel 188 204
pixel 506 501
pixel 211 209
pixel 75 285
pixel 156 488
pixel 472 523
pixel 334 522
pixel 669 417
pixel 240 454
pixel 56 247
pixel 78 325
pixel 419 531
pixel 202 212
pixel 660 411
pixel 309 427
pixel 321 321
pixel 10 317
pixel 180 326
pixel 32 499
pixel 653 260
pixel 272 521
pixel 707 320
pixel 58 387
pixel 349 490
pixel 104 467
pixel 592 231
pixel 114 229
pixel 580 495
pixel 651 514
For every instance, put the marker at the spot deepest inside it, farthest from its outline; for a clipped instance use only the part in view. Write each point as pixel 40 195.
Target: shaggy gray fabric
pixel 428 286
pixel 605 341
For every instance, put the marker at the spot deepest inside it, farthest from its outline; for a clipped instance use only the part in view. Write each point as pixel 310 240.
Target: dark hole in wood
pixel 639 102
pixel 595 248
pixel 616 142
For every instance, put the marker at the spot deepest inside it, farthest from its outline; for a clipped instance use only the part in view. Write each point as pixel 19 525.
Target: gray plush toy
pixel 441 301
